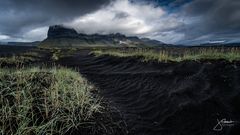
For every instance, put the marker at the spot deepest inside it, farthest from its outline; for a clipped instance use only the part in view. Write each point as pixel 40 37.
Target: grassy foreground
pixel 230 55
pixel 45 101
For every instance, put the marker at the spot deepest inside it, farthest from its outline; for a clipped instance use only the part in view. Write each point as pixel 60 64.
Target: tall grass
pixel 13 60
pixel 17 61
pixel 230 55
pixel 45 101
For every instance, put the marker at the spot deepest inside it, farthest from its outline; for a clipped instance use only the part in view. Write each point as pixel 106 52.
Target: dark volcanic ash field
pixel 185 98
pixel 174 98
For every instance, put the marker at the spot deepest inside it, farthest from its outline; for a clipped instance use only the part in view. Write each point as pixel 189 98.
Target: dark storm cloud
pixel 170 4
pixel 205 20
pixel 219 19
pixel 21 15
pixel 172 21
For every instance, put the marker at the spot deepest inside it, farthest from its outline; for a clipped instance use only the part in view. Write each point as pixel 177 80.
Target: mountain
pixel 60 36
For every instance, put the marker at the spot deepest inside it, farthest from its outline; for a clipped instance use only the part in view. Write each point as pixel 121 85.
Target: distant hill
pixel 59 36
pixel 222 44
pixel 21 43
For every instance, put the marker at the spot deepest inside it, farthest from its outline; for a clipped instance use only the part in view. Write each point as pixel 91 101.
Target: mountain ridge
pixel 59 35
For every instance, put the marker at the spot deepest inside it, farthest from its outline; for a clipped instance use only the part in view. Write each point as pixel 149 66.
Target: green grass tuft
pixel 45 101
pixel 16 60
pixel 167 56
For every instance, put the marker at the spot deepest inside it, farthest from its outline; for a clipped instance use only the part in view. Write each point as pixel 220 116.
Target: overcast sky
pixel 170 21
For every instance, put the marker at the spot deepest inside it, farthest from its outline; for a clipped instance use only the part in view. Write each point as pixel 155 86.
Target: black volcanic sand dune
pixel 183 98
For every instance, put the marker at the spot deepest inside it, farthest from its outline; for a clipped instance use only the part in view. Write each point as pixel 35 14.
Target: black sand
pixel 183 98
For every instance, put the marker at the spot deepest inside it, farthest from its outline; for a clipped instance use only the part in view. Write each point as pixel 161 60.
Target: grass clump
pixel 213 54
pixel 20 59
pixel 62 53
pixel 230 55
pixel 45 101
pixel 145 55
pixel 15 60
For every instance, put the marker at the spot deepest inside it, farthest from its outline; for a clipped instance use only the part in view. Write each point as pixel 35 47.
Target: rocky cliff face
pixel 58 31
pixel 62 36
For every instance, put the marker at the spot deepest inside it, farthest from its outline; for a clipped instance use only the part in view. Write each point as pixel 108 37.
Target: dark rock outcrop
pixel 59 31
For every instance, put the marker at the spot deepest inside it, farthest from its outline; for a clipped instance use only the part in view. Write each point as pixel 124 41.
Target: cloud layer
pixel 218 19
pixel 171 21
pixel 20 16
pixel 129 18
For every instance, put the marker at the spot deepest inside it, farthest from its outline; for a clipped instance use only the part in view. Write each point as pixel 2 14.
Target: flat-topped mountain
pixel 58 31
pixel 60 36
